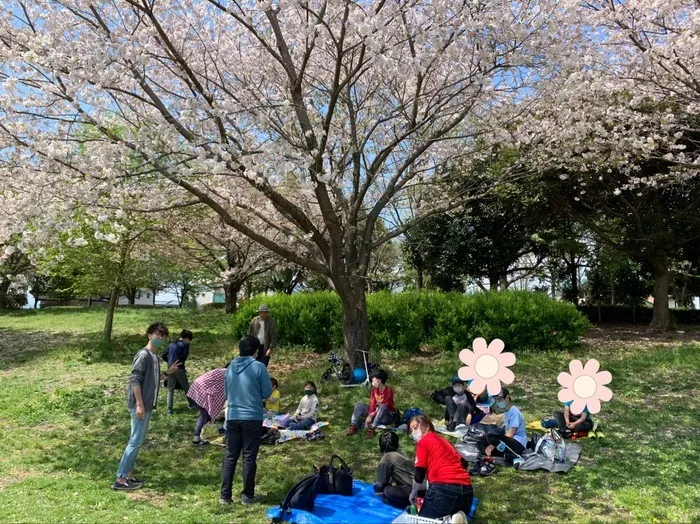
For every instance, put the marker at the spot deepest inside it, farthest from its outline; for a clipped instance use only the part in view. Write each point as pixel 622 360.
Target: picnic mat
pixel 531 460
pixel 364 506
pixel 288 434
pixel 536 425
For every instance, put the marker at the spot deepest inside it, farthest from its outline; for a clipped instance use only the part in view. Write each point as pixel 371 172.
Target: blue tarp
pixel 363 507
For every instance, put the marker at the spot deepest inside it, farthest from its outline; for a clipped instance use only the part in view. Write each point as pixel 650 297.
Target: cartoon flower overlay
pixel 486 366
pixel 585 386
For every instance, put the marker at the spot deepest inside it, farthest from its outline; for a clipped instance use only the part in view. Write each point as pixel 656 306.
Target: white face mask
pixel 458 389
pixel 416 435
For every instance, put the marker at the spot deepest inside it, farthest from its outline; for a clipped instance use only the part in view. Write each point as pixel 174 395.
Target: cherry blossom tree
pixel 325 111
pixel 226 257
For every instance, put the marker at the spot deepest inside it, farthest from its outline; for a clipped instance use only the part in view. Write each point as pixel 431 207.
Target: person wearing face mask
pixel 307 412
pixel 449 483
pixel 141 400
pixel 513 442
pixel 381 407
pixel 461 407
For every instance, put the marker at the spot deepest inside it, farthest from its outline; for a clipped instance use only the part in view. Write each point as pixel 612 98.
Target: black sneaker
pixel 487 468
pixel 126 486
pixel 199 441
pixel 452 426
pixel 171 412
pixel 247 501
pixel 476 467
pixel 133 480
pixel 225 502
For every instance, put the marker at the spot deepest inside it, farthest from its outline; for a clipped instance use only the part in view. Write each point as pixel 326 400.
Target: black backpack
pixel 337 481
pixel 302 496
pixel 441 395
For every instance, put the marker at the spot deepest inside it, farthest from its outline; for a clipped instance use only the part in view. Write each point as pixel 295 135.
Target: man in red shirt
pixel 381 407
pixel 450 486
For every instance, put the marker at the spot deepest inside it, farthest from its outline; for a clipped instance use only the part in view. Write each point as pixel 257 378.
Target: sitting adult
pixel 512 443
pixel 395 472
pixel 450 486
pixel 461 407
pixel 570 423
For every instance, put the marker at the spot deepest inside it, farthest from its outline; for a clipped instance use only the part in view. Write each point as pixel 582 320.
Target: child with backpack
pixel 381 407
pixel 307 411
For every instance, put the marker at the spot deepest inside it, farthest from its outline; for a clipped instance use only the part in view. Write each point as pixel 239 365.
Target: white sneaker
pixel 459 518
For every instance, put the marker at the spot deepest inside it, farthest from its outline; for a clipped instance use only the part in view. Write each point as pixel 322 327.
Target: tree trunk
pixel 419 278
pixel 573 275
pixel 612 295
pixel 4 290
pixel 493 281
pixel 634 313
pixel 154 291
pixel 355 322
pixel 553 286
pixel 503 282
pixel 231 290
pixel 661 318
pixel 130 293
pixel 109 321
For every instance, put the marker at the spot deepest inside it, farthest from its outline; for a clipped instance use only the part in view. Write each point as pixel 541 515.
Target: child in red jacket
pixel 381 407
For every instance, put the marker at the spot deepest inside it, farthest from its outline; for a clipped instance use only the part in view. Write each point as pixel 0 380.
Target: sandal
pixel 487 467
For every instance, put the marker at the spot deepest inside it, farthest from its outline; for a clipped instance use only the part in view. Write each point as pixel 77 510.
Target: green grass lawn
pixel 64 425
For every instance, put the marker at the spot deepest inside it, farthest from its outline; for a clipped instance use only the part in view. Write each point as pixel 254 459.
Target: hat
pixel 502 394
pixel 263 307
pixel 457 380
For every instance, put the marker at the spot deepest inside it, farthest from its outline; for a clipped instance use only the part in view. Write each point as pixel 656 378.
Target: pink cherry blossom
pixel 585 386
pixel 486 366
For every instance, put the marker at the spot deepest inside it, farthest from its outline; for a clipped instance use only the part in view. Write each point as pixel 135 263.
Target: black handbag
pixel 302 496
pixel 337 481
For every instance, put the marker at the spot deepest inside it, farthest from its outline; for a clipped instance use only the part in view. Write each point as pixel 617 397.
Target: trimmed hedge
pixel 642 315
pixel 406 321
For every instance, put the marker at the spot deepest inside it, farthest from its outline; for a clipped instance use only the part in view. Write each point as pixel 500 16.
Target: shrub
pixel 640 315
pixel 406 321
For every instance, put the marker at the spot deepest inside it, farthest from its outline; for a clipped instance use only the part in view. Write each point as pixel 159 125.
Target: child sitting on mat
pixel 307 412
pixel 381 407
pixel 272 404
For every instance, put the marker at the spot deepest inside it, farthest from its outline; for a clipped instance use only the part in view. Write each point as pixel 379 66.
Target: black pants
pixel 446 499
pixel 261 355
pixel 494 440
pixel 241 436
pixel 397 496
pixel 561 422
pixel 457 412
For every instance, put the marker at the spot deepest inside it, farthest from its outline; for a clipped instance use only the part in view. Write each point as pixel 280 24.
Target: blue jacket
pixel 247 387
pixel 178 350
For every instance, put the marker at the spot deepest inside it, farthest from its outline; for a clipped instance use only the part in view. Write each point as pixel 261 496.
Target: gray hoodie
pixel 143 373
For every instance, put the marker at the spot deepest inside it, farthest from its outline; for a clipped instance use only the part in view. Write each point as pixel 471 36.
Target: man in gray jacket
pixel 141 399
pixel 264 328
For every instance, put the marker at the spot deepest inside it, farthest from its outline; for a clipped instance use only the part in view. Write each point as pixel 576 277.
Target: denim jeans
pixel 304 423
pixel 201 421
pixel 361 411
pixel 241 436
pixel 446 499
pixel 139 427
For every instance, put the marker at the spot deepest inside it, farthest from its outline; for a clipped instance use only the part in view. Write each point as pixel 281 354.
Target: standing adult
pixel 450 486
pixel 264 329
pixel 141 400
pixel 247 387
pixel 178 351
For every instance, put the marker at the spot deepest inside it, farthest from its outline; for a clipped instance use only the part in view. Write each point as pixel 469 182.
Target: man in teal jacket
pixel 247 386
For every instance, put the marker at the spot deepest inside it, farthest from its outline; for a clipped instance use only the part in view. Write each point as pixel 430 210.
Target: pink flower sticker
pixel 585 386
pixel 486 366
